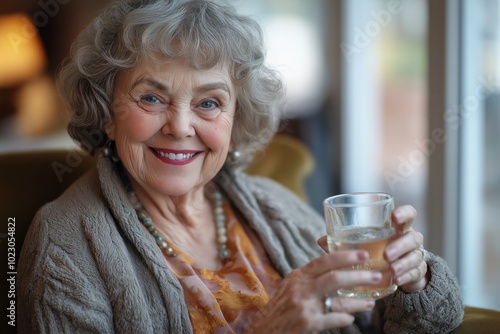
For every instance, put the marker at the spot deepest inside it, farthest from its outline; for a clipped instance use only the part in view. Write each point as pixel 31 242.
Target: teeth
pixel 178 156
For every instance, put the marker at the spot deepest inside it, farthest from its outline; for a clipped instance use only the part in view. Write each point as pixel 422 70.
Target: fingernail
pixel 362 256
pixel 398 214
pixel 370 303
pixel 376 276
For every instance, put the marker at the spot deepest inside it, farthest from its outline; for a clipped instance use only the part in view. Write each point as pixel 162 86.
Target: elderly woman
pixel 168 234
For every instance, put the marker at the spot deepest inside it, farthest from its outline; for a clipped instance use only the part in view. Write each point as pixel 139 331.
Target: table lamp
pixel 27 93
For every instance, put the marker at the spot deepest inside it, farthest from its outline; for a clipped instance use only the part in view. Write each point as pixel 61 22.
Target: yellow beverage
pixel 374 240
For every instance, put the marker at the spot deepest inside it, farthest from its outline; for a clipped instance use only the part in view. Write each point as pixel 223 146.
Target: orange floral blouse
pixel 224 300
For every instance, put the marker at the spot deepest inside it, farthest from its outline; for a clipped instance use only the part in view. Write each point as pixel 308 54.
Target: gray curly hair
pixel 206 32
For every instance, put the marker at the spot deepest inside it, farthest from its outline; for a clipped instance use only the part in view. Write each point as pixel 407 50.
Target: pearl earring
pixel 233 156
pixel 110 151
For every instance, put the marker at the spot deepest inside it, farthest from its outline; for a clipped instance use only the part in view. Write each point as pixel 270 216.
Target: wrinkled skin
pixel 298 304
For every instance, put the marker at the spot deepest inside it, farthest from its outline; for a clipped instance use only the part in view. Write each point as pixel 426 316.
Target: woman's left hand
pixel 405 254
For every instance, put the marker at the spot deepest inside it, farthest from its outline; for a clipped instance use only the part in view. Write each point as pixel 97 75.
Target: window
pixel 384 121
pixel 479 157
pixel 420 117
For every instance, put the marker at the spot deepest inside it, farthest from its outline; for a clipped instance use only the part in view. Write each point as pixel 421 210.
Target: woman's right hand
pixel 298 303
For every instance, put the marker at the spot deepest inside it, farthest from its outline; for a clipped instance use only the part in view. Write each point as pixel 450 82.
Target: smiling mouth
pixel 174 156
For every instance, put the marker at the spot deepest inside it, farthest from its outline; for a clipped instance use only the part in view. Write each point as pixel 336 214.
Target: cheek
pixel 137 126
pixel 218 137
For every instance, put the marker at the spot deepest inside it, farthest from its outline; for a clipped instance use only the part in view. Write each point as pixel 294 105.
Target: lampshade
pixel 22 55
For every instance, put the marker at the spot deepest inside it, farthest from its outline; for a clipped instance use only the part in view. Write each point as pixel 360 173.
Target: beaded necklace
pixel 220 220
pixel 145 219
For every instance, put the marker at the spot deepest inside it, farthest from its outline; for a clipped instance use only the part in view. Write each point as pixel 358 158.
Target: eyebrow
pixel 212 86
pixel 199 89
pixel 152 83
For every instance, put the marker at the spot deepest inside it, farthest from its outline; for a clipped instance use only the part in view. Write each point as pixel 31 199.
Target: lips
pixel 174 156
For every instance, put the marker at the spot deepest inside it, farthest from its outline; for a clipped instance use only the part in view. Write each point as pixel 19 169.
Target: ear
pixel 109 128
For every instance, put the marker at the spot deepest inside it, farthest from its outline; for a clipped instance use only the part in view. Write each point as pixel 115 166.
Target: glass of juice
pixel 362 221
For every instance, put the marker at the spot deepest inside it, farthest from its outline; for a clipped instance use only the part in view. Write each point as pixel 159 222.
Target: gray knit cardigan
pixel 87 265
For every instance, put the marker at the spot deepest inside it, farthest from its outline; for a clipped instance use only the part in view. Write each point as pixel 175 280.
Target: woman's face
pixel 172 124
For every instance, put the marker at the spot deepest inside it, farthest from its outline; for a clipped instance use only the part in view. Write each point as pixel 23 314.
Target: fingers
pixel 416 284
pixel 323 243
pixel 403 218
pixel 405 258
pixel 303 282
pixel 299 299
pixel 351 305
pixel 338 279
pixel 414 274
pixel 407 261
pixel 403 245
pixel 410 268
pixel 329 262
pixel 342 310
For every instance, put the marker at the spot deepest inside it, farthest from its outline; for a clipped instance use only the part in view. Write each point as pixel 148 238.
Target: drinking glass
pixel 362 221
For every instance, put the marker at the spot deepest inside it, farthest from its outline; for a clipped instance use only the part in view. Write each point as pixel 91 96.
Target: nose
pixel 178 124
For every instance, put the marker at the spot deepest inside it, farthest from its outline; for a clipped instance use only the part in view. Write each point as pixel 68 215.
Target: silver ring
pixel 328 303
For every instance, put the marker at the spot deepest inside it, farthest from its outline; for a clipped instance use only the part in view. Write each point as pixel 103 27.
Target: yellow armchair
pixel 285 160
pixel 479 320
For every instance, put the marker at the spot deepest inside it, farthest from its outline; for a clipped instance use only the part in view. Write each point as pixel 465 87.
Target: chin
pixel 173 188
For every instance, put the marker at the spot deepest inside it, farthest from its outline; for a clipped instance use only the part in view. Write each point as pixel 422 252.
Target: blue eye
pixel 151 99
pixel 151 103
pixel 208 104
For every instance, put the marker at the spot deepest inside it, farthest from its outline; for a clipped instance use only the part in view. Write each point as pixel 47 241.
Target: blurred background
pixel 401 96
